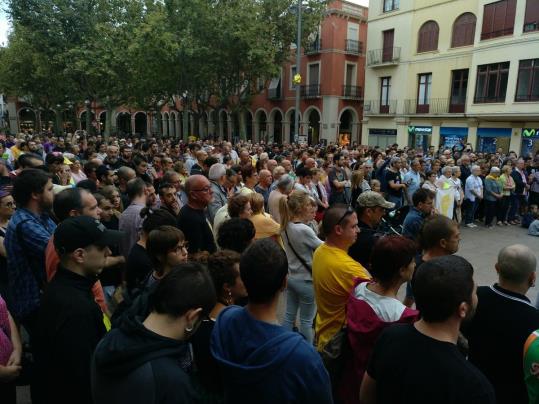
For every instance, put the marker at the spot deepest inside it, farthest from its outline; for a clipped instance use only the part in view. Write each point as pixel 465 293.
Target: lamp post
pixel 58 120
pixel 88 104
pixel 298 72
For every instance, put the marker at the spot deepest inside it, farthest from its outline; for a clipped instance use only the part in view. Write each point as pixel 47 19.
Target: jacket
pixel 133 365
pixel 492 184
pixel 220 199
pixel 364 328
pixel 69 327
pixel 519 182
pixel 265 363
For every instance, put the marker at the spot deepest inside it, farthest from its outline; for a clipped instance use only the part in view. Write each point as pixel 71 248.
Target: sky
pixel 4 24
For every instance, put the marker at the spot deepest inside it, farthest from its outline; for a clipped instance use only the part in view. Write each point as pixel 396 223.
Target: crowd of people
pixel 140 270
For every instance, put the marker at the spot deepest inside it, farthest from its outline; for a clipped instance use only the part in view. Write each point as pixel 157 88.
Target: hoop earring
pixel 189 329
pixel 229 298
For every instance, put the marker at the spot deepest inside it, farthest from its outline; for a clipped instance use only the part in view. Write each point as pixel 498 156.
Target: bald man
pixel 263 187
pixel 503 321
pixel 192 218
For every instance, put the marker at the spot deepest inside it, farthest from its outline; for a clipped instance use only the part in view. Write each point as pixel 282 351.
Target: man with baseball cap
pixel 70 323
pixel 371 208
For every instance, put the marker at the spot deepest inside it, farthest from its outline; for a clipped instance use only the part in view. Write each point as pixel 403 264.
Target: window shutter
pixel 510 11
pixel 488 20
pixel 532 12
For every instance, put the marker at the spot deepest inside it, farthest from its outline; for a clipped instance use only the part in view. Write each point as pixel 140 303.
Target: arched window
pixel 428 37
pixel 463 30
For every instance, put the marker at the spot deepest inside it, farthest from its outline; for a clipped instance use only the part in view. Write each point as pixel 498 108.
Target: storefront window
pixel 419 137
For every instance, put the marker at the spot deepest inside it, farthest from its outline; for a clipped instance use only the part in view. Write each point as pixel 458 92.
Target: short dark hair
pixel 188 286
pixel 440 285
pixel 221 267
pixel 135 187
pixel 389 255
pixel 209 161
pixel 152 219
pixel 25 160
pixel 161 241
pixel 236 234
pixel 163 186
pixel 421 196
pixel 263 269
pixel 28 182
pixel 66 201
pixel 247 170
pixel 304 172
pixel 87 184
pixel 331 217
pixel 90 167
pixel 435 229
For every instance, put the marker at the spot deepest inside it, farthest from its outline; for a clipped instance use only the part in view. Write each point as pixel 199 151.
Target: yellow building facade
pixel 443 72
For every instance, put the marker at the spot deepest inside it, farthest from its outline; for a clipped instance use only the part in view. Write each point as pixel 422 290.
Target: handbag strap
pixel 307 267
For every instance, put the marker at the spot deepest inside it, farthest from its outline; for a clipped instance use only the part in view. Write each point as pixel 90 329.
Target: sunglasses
pixel 348 212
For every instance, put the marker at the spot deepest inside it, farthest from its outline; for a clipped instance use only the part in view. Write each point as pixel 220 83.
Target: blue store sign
pixel 453 136
pixel 529 137
pixel 488 138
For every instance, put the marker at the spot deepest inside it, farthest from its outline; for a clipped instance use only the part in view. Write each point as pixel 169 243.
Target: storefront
pixel 491 139
pixel 452 136
pixel 530 142
pixel 419 137
pixel 382 137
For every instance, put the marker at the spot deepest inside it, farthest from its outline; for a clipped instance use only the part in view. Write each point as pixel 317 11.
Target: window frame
pixel 291 85
pixel 455 30
pixel 463 89
pixel 528 19
pixel 534 75
pixel 394 5
pixel 507 29
pixel 432 44
pixel 490 70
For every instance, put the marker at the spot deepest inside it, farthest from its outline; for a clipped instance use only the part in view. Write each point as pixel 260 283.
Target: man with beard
pixel 27 235
pixel 503 321
pixel 406 364
pixel 112 161
pixel 126 152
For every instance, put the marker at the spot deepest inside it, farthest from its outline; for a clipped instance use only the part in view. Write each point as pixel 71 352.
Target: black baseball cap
pixel 82 231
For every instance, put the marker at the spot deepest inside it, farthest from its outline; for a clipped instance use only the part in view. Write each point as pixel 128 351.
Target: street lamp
pixel 88 104
pixel 58 120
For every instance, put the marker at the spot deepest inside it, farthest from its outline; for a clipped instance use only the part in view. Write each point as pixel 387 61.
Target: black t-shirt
pixel 208 372
pixel 396 178
pixel 410 367
pixel 362 248
pixel 137 267
pixel 112 276
pixel 496 336
pixel 197 231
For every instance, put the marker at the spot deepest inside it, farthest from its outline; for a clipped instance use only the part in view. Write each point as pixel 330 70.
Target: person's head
pixel 113 195
pixel 263 269
pixel 73 202
pixel 287 165
pixel 250 176
pixel 105 175
pixel 521 164
pixel 141 164
pixel 151 195
pixel 54 161
pixel 415 165
pixel 506 169
pixel 278 172
pixel 476 170
pixel 495 172
pixel 285 185
pixel 257 203
pixel 265 179
pixel 395 163
pixel 239 206
pixel 90 169
pixel 136 189
pixel 201 155
pixel 533 208
pixel 393 260
pixel 167 195
pixel 217 173
pixel 125 174
pixel 82 243
pixel 112 154
pixel 29 160
pixel 371 208
pixel 339 226
pixel 236 234
pixel 297 206
pixel 224 269
pixel 465 160
pixel 152 219
pixel 7 204
pixel 184 296
pixel 423 200
pixel 198 190
pixel 447 171
pixel 166 248
pixel 376 186
pixel 106 210
pixel 32 188
pixel 516 266
pixel 126 152
pixel 444 289
pixel 439 235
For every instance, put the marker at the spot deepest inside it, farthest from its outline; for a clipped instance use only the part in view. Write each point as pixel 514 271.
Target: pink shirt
pixel 6 347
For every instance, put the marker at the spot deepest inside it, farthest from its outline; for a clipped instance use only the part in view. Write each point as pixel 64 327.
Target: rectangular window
pixel 293 71
pixel 350 78
pixel 528 81
pixel 498 19
pixel 387 50
pixel 531 18
pixel 385 85
pixel 459 87
pixel 423 92
pixel 390 5
pixel 314 74
pixel 491 85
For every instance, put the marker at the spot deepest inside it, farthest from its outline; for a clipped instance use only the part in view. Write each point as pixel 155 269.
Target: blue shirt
pixel 413 179
pixel 26 239
pixel 412 223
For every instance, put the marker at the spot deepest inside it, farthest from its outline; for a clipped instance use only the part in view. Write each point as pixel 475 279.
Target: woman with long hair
pixel 166 248
pixel 113 195
pixel 299 241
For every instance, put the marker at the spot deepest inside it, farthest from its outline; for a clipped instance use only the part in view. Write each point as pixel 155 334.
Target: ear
pixel 531 279
pixel 462 310
pixel 497 267
pixel 78 255
pixel 192 315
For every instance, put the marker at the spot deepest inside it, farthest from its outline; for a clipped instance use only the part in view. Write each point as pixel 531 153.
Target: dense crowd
pixel 156 271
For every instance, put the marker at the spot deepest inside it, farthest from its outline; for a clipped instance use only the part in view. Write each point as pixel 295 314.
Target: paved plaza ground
pixel 480 246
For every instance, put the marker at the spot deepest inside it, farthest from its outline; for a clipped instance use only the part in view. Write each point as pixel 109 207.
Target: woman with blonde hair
pixel 113 195
pixel 300 241
pixel 265 226
pixel 508 185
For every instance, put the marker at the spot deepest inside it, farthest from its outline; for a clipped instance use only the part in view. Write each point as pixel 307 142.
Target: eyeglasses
pixel 348 212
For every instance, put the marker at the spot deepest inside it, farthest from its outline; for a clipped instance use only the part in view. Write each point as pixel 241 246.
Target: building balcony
pixel 352 92
pixel 353 47
pixel 375 107
pixel 313 47
pixel 434 106
pixel 383 57
pixel 310 91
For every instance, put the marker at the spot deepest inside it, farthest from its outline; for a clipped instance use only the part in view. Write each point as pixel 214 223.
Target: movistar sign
pixel 419 130
pixel 528 132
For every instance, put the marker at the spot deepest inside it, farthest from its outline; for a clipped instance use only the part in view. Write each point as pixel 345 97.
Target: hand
pixel 14 358
pixel 8 373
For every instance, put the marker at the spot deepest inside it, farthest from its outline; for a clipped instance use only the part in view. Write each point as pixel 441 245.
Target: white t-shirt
pixel 388 309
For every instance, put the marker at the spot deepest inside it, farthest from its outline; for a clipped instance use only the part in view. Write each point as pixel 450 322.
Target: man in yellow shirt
pixel 334 271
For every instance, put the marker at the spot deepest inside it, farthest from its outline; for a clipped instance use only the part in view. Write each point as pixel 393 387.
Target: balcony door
pixel 423 93
pixel 387 48
pixel 459 86
pixel 385 85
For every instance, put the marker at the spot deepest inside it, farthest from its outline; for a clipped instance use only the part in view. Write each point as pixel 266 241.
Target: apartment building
pixel 332 69
pixel 443 71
